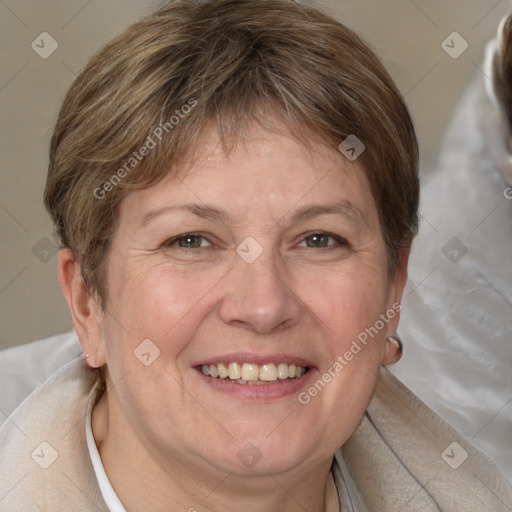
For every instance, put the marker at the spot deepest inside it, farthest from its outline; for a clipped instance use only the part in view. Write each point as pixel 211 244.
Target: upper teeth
pixel 248 372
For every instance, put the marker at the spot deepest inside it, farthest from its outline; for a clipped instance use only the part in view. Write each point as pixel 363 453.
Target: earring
pixel 397 341
pixel 86 356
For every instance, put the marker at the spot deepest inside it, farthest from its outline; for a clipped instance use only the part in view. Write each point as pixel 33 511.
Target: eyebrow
pixel 214 214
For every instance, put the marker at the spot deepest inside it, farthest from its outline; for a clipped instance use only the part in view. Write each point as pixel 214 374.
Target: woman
pixel 234 186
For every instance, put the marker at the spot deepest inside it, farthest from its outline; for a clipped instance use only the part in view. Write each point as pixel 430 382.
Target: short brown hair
pixel 227 62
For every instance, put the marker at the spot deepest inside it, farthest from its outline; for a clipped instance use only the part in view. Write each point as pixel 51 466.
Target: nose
pixel 257 297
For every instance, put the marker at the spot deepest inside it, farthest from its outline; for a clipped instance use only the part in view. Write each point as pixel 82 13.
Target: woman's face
pixel 271 256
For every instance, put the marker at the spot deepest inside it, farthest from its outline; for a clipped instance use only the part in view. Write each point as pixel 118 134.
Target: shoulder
pixel 404 456
pixel 44 461
pixel 23 368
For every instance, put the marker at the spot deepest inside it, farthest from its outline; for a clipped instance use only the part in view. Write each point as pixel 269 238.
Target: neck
pixel 143 481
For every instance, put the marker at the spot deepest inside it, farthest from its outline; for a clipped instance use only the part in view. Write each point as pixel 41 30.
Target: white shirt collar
pixel 109 495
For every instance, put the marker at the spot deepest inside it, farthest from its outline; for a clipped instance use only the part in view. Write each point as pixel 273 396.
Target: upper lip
pixel 259 359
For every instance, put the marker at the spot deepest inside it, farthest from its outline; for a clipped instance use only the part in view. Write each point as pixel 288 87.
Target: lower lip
pixel 263 392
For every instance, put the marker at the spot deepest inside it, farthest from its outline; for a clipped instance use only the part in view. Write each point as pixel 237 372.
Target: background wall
pixel 407 34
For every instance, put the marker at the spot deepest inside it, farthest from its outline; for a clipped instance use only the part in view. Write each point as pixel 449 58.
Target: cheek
pixel 158 303
pixel 348 301
pixel 350 306
pixel 147 327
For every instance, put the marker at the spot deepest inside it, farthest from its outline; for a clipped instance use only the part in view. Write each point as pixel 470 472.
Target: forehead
pixel 267 173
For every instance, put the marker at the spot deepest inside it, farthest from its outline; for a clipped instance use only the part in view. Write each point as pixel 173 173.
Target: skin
pixel 169 441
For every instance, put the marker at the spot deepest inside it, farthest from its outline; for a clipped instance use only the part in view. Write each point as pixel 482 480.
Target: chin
pixel 263 454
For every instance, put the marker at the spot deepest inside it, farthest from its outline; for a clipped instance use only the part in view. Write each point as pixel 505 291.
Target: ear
pixel 84 309
pixel 397 282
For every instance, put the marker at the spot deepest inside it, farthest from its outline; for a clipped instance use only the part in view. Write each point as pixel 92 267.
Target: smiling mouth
pixel 254 374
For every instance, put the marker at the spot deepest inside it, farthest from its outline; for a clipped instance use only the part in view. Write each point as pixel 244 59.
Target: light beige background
pixel 406 34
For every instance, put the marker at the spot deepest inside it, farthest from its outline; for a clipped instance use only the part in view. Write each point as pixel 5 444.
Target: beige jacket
pixel 403 457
